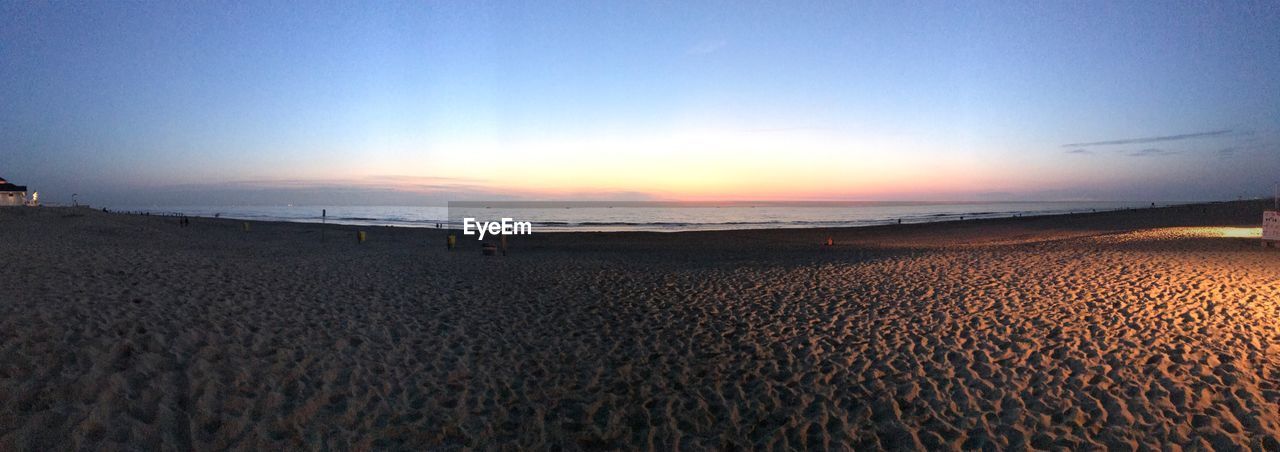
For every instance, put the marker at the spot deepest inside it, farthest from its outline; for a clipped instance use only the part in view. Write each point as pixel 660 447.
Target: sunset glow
pixel 626 225
pixel 120 102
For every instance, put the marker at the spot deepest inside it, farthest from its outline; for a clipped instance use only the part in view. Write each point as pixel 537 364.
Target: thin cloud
pixel 381 182
pixel 1185 136
pixel 707 47
pixel 1151 152
pixel 1081 151
pixel 787 129
pixel 1228 152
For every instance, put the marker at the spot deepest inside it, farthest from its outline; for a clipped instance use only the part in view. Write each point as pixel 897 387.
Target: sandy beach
pixel 1119 330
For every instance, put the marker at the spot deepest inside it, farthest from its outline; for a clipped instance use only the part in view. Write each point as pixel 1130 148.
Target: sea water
pixel 647 216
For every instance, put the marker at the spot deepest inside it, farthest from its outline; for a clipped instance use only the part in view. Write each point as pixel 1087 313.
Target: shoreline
pixel 878 223
pixel 675 227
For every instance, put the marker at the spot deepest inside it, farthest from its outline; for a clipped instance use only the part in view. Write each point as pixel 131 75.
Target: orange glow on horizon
pixel 697 165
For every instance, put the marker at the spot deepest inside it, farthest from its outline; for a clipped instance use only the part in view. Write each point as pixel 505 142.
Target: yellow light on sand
pixel 1228 232
pixel 1247 233
pixel 1189 232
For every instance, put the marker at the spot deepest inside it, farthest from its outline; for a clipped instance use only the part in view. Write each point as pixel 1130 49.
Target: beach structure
pixel 1271 228
pixel 12 195
pixel 1271 222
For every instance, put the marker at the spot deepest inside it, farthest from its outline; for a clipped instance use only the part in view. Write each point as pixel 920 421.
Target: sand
pixel 1152 328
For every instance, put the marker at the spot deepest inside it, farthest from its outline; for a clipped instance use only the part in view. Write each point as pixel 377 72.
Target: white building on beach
pixel 12 195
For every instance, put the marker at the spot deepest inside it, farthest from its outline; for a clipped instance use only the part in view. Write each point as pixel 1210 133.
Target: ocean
pixel 645 216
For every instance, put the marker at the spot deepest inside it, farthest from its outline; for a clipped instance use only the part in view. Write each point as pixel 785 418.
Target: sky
pixel 422 102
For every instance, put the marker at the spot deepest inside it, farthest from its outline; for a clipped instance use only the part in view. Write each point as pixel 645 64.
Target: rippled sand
pixel 1119 330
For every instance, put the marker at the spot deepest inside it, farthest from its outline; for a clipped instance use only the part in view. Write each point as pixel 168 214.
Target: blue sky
pixel 420 102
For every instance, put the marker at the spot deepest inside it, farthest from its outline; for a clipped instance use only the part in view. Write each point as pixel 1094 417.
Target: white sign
pixel 504 227
pixel 1271 225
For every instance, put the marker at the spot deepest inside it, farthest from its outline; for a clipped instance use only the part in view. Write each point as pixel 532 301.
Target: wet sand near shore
pixel 1128 329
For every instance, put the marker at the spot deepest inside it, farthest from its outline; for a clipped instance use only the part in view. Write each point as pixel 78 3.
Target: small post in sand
pixel 246 226
pixel 360 237
pixel 452 241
